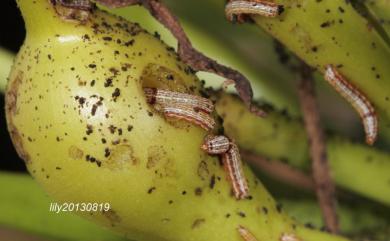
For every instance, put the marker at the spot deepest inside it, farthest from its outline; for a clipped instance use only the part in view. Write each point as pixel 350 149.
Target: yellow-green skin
pixel 159 183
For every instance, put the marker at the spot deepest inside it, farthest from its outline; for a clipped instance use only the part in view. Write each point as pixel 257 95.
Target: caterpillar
pixel 258 7
pixel 246 234
pixel 357 99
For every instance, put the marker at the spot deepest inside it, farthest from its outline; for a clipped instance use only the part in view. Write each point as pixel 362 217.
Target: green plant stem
pixel 355 167
pixel 25 206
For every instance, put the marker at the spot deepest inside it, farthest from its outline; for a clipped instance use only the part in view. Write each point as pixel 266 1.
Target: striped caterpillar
pixel 192 108
pixel 257 7
pixel 231 161
pixel 85 5
pixel 166 97
pixel 246 234
pixel 196 110
pixel 357 99
pixel 189 114
pixel 289 237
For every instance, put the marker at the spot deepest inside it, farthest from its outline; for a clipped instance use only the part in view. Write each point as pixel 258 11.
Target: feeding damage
pixel 12 109
pixel 73 10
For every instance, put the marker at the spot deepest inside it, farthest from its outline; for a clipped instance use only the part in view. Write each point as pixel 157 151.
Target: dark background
pixel 11 38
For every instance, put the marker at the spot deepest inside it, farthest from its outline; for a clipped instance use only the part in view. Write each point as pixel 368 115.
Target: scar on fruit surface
pixel 198 222
pixel 11 107
pixel 121 157
pixel 304 37
pixel 12 94
pixel 160 77
pixel 17 141
pixel 112 217
pixel 75 153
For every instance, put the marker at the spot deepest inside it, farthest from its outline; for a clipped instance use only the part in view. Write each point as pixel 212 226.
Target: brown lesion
pixel 155 153
pixel 11 97
pixel 161 77
pixel 112 217
pixel 75 153
pixel 121 157
pixel 198 222
pixel 160 162
pixel 17 141
pixel 203 170
pixel 11 108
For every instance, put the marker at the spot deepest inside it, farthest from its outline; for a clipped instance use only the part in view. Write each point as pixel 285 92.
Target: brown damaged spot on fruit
pixel 17 140
pixel 112 216
pixel 158 159
pixel 304 38
pixel 160 77
pixel 75 153
pixel 155 154
pixel 169 168
pixel 11 97
pixel 121 157
pixel 198 222
pixel 203 171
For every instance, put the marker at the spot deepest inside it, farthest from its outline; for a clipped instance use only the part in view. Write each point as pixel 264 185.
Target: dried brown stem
pixel 324 185
pixel 118 3
pixel 279 170
pixel 188 53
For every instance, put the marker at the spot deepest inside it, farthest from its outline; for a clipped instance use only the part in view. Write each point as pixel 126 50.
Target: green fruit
pixel 332 32
pixel 78 117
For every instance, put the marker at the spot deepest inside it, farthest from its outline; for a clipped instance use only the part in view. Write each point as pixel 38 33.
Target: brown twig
pixel 279 170
pixel 119 3
pixel 325 188
pixel 188 53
